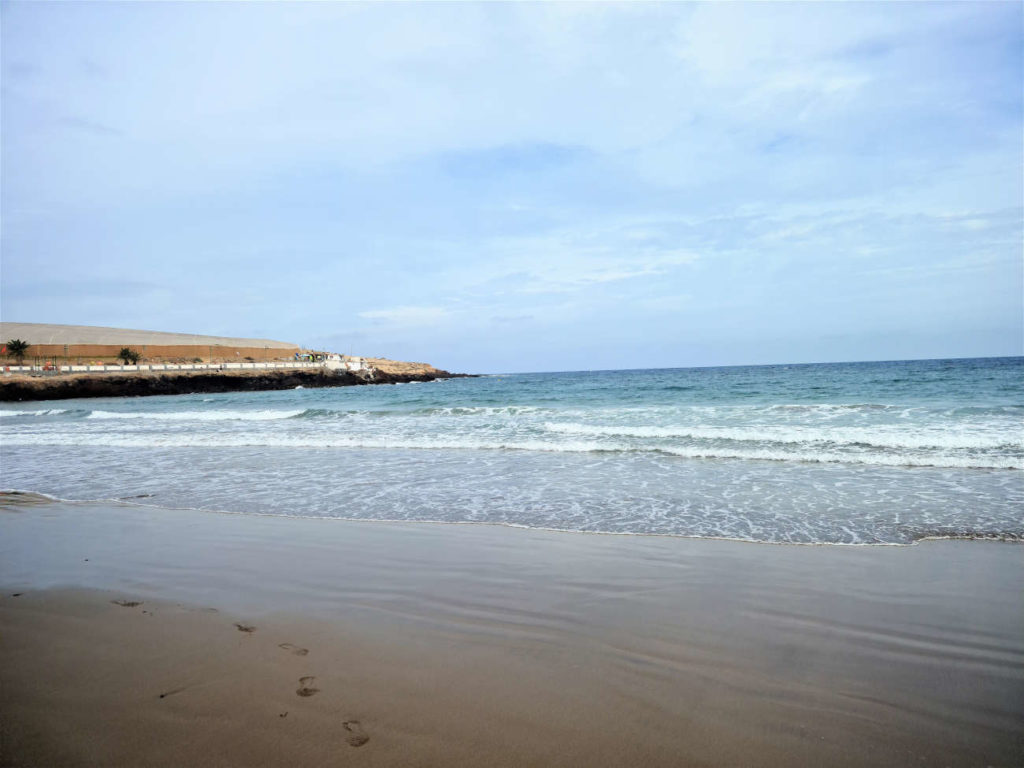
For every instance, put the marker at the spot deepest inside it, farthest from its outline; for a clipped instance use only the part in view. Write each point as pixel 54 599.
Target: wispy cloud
pixel 407 316
pixel 90 126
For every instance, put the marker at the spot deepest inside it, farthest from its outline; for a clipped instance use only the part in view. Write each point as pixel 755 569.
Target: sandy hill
pixel 47 333
pixel 84 343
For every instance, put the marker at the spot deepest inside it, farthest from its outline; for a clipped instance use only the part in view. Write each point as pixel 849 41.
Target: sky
pixel 500 187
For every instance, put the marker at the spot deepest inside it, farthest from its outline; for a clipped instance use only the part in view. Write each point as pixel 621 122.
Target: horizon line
pixel 761 365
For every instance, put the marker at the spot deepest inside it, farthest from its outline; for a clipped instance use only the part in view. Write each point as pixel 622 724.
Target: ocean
pixel 847 453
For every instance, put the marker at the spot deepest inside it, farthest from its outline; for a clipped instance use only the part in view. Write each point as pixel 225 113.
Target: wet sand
pixel 148 636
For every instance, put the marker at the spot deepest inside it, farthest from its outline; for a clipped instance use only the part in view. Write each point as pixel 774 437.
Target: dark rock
pixel 188 382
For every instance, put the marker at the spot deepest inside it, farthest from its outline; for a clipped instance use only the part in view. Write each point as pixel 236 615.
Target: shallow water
pixel 860 453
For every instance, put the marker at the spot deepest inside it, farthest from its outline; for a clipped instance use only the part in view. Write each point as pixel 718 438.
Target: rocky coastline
pixel 66 386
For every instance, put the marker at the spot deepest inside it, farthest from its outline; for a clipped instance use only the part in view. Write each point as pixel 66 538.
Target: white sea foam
pixel 264 415
pixel 832 457
pixel 271 415
pixel 305 440
pixel 315 440
pixel 880 436
pixel 485 410
pixel 45 412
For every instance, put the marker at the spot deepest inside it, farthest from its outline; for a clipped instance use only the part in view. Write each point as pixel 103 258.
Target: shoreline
pixel 132 501
pixel 470 645
pixel 24 388
pixel 35 497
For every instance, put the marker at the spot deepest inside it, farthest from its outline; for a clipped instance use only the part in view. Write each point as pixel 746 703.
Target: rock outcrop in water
pixel 64 386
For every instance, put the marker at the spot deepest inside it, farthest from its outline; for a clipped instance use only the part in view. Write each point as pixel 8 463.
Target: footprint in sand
pixel 245 628
pixel 306 686
pixel 127 603
pixel 294 649
pixel 356 735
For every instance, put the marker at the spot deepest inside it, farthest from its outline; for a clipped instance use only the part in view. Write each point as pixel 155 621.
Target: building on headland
pixel 333 361
pixel 76 344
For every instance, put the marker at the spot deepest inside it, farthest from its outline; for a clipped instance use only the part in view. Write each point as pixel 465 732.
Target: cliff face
pixel 64 386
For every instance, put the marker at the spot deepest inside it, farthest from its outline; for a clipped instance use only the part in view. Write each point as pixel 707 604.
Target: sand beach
pixel 138 635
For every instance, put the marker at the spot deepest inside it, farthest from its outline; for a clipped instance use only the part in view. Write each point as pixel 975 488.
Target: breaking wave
pixel 342 441
pixel 793 435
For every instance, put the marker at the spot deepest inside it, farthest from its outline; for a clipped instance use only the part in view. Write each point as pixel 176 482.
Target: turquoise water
pixel 857 453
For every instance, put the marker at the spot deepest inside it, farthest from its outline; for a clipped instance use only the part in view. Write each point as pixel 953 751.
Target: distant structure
pixel 84 344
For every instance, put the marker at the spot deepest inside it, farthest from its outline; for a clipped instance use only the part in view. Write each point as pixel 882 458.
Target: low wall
pixel 155 352
pixel 61 368
pixel 348 365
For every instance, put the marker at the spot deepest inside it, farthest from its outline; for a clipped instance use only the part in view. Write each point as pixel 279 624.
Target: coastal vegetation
pixel 17 349
pixel 128 355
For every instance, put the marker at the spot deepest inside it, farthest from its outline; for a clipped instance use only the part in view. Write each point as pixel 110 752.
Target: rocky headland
pixel 129 384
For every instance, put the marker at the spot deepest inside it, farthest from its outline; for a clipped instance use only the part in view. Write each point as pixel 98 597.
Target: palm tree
pixel 17 349
pixel 128 355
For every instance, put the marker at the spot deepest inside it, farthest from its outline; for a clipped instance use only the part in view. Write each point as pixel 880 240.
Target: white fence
pixel 173 367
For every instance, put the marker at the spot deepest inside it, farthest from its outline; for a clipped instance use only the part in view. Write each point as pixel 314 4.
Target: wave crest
pixel 315 440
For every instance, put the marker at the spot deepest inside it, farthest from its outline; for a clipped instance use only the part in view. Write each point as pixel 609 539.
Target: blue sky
pixel 510 187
